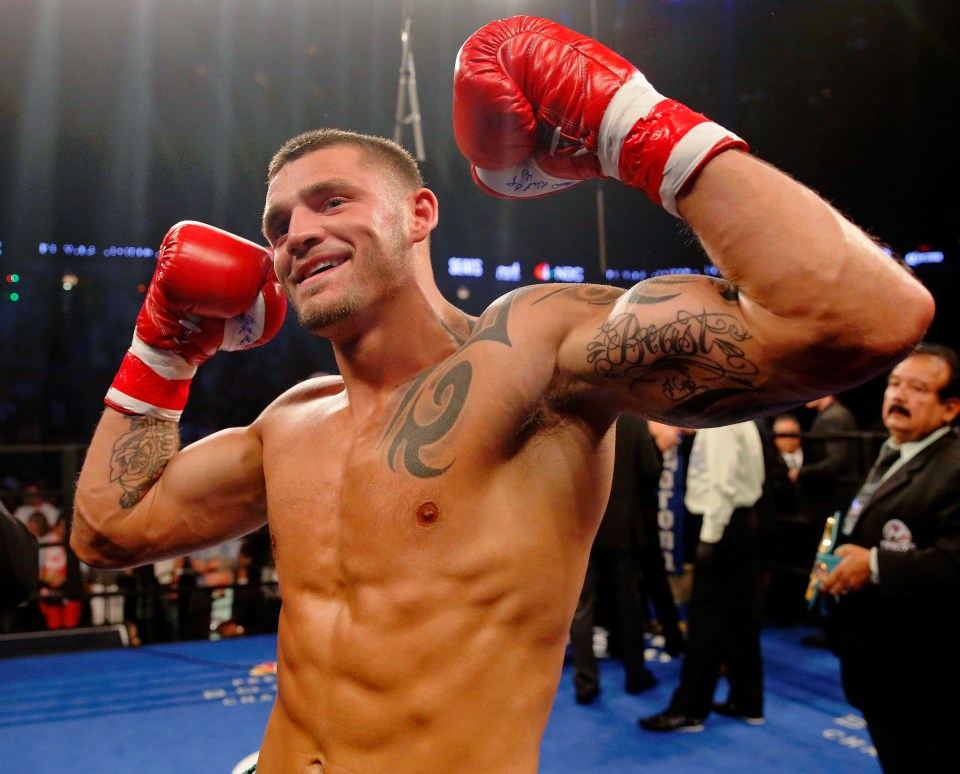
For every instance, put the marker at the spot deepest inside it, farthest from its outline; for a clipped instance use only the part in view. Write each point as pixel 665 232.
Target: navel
pixel 428 513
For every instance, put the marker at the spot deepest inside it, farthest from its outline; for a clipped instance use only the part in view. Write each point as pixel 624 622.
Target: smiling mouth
pixel 323 266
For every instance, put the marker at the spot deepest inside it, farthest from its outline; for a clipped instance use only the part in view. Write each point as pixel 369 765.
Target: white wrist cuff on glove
pixel 633 101
pixel 687 157
pixel 151 382
pixel 169 365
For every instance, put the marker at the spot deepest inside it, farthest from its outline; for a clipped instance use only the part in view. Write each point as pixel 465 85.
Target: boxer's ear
pixel 425 214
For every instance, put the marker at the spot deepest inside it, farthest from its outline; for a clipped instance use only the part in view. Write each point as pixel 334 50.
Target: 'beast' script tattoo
pixel 697 358
pixel 140 455
pixel 419 423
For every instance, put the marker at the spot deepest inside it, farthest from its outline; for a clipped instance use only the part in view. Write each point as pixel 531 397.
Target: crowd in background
pixel 231 589
pixel 225 591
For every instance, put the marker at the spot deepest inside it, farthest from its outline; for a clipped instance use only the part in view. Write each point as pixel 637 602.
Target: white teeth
pixel 323 266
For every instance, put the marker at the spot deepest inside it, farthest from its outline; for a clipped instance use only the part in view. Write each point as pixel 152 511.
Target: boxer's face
pixel 912 408
pixel 337 225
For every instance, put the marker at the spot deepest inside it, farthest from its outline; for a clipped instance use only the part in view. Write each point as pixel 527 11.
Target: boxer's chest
pixel 364 499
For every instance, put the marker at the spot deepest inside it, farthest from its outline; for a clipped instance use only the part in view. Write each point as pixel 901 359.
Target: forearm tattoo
pixel 697 359
pixel 140 455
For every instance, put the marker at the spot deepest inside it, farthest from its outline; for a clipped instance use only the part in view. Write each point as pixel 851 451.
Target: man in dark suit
pixel 19 561
pixel 828 476
pixel 616 563
pixel 784 550
pixel 895 594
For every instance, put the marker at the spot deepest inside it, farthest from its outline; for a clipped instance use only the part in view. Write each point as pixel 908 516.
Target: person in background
pixel 894 596
pixel 19 561
pixel 35 499
pixel 59 610
pixel 786 439
pixel 784 554
pixel 781 492
pixel 828 476
pixel 724 483
pixel 615 564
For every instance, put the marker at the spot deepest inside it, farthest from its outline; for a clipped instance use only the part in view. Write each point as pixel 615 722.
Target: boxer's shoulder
pixel 316 396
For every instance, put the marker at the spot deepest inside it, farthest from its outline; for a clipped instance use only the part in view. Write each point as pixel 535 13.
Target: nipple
pixel 428 513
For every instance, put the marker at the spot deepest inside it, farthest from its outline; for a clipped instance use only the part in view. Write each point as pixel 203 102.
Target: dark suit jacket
pixel 828 478
pixel 19 561
pixel 899 640
pixel 632 508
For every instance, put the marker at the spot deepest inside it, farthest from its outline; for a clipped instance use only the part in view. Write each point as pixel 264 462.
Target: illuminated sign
pixel 510 273
pixel 916 257
pixel 670 512
pixel 53 248
pixel 129 252
pixel 545 273
pixel 638 275
pixel 630 275
pixel 465 267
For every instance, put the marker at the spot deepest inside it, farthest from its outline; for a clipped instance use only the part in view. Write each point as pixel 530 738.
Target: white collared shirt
pixel 910 449
pixel 725 472
pixel 793 459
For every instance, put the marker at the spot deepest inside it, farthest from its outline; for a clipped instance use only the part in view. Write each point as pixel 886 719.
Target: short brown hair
pixel 376 148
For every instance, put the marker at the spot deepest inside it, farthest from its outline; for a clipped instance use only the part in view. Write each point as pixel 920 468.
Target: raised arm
pixel 140 497
pixel 537 108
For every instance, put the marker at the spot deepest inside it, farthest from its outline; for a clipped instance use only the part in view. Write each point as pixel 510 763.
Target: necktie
pixel 885 460
pixel 888 455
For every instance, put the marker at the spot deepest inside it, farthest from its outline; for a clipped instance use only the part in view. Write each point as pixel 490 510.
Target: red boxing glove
pixel 538 108
pixel 211 291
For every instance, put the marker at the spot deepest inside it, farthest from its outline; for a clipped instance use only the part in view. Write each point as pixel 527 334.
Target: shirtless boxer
pixel 432 508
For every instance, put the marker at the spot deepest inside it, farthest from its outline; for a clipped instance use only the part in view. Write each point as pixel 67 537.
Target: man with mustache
pixel 896 591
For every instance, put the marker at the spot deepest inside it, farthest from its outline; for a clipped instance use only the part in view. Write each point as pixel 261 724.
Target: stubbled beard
pixel 388 264
pixel 315 318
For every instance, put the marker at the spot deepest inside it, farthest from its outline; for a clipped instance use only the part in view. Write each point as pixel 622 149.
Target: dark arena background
pixel 119 118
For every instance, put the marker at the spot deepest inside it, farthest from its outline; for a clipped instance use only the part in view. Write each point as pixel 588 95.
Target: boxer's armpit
pixel 140 455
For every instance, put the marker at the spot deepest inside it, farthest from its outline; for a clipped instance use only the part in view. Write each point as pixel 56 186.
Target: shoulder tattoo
pixel 432 404
pixel 596 295
pixel 140 455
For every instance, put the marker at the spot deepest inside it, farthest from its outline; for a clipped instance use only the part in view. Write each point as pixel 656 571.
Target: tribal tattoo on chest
pixel 407 435
pixel 696 359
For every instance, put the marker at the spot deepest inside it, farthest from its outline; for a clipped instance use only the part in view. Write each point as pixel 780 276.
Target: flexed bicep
pixel 675 348
pixel 141 498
